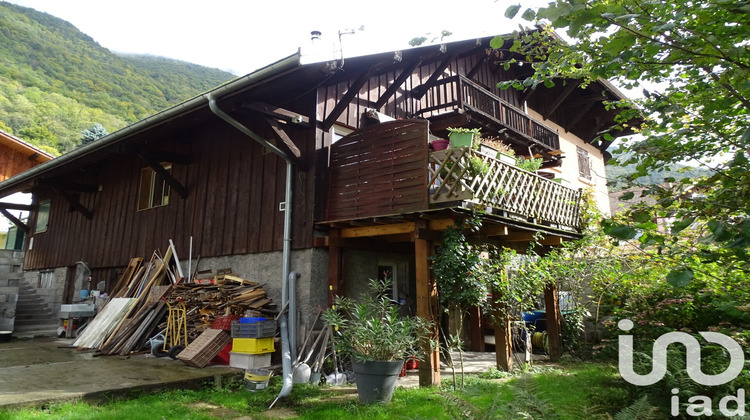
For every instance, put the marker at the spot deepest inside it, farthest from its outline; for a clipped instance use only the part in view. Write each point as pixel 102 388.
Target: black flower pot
pixel 376 380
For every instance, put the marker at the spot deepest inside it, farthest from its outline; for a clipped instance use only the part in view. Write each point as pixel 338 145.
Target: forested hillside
pixel 56 82
pixel 615 173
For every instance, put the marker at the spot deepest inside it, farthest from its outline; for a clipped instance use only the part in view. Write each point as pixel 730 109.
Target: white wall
pixel 569 169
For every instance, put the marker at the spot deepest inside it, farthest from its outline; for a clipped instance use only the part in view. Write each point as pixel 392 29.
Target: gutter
pixel 288 335
pixel 17 183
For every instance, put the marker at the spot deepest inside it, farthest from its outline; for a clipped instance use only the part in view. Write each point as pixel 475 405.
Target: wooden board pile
pixel 137 309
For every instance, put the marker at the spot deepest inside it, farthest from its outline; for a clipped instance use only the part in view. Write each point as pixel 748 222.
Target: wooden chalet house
pixel 322 166
pixel 17 156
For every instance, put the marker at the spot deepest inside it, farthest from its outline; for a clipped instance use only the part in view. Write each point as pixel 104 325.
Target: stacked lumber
pixel 225 294
pixel 137 309
pixel 142 286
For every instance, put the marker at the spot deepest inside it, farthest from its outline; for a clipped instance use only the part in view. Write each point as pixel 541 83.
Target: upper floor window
pixel 154 189
pixel 584 164
pixel 42 216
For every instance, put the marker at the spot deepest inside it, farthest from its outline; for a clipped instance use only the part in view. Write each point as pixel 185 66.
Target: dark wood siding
pixel 232 205
pixel 402 104
pixel 379 170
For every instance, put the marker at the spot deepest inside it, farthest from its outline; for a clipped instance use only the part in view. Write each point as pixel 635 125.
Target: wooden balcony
pixel 460 93
pixel 463 174
pixel 388 170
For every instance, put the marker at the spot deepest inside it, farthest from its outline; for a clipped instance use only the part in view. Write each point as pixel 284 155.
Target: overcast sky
pixel 241 36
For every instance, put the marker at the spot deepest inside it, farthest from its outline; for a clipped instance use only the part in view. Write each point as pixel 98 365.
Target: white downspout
pixel 288 338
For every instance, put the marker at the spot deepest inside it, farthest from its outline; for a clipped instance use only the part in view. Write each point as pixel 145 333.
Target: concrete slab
pixel 43 370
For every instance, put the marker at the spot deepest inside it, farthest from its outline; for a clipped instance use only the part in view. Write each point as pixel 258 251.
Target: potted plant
pixel 376 338
pixel 462 136
pixel 502 151
pixel 531 165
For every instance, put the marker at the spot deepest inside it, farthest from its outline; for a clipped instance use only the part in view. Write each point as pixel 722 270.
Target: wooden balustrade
pixel 459 92
pixel 462 174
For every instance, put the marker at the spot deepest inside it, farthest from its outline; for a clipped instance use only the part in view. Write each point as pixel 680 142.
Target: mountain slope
pixel 56 81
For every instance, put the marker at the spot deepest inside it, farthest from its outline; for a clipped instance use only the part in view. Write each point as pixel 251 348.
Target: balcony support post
pixel 554 324
pixel 335 257
pixel 429 370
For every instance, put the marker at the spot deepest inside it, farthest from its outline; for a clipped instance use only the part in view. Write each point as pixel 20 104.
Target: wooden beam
pixel 429 368
pixel 77 206
pixel 571 86
pixel 156 166
pixel 14 206
pixel 529 236
pixel 440 224
pixel 583 111
pixel 476 329
pixel 346 99
pixel 455 120
pixel 16 221
pixel 503 339
pixel 378 230
pixel 278 113
pixel 520 236
pixel 494 230
pixel 393 88
pixel 287 143
pixel 419 91
pixel 336 284
pixel 554 321
pixel 477 66
pixel 552 240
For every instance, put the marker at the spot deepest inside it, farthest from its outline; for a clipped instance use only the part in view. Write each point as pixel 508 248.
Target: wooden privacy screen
pixel 379 170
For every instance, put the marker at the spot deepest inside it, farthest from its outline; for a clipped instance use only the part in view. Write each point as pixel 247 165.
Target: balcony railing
pixel 465 174
pixel 387 169
pixel 459 92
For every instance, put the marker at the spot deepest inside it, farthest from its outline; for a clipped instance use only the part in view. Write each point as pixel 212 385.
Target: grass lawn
pixel 564 391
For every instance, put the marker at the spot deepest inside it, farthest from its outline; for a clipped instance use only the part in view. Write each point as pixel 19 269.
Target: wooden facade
pixel 377 187
pixel 232 206
pixel 17 156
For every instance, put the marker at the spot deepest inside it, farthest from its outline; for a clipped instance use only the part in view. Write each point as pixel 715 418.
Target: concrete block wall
pixel 11 263
pixel 50 286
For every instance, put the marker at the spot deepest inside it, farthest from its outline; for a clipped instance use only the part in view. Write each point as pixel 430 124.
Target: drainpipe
pixel 288 336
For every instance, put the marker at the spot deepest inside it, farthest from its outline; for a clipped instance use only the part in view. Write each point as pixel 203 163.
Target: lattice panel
pixel 501 186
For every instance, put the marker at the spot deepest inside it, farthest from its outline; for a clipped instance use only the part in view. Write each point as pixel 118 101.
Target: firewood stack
pixel 225 294
pixel 139 305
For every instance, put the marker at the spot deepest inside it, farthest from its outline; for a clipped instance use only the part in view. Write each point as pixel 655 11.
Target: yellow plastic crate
pixel 252 345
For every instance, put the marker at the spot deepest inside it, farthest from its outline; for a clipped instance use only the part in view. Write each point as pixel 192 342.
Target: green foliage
pixel 532 165
pixel 371 328
pixel 456 265
pixel 692 62
pixel 56 82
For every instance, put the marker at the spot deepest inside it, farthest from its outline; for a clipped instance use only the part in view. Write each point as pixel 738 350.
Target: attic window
pixel 154 190
pixel 584 164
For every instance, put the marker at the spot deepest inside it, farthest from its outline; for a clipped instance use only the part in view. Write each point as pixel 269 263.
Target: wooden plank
pixel 429 368
pixel 554 321
pixel 378 230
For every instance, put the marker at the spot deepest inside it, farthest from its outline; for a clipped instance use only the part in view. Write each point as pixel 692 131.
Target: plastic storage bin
pixel 252 345
pixel 259 329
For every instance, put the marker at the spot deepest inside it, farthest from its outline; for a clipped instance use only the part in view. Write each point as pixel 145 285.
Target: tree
pixel 94 133
pixel 691 61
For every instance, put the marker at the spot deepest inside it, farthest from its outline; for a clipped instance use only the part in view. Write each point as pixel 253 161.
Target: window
pixel 42 216
pixel 338 131
pixel 584 164
pixel 389 270
pixel 154 190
